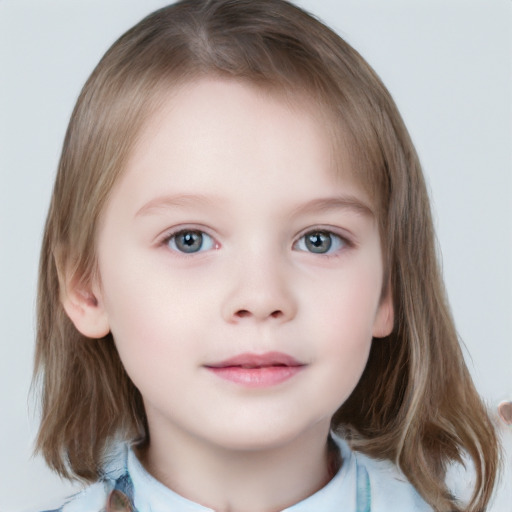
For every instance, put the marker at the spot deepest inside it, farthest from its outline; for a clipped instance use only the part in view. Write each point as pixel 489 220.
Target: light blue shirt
pixel 362 484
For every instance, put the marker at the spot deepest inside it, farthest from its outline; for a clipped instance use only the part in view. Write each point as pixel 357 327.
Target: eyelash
pixel 170 239
pixel 340 242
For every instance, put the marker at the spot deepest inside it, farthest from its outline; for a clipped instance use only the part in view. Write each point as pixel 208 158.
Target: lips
pixel 259 360
pixel 257 370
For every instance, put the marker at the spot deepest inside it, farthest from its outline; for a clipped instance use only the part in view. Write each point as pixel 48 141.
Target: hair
pixel 415 404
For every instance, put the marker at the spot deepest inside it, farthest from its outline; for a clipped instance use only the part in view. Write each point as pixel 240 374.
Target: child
pixel 240 306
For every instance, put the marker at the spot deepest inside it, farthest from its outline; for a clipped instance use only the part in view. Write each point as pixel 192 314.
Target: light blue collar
pixel 348 490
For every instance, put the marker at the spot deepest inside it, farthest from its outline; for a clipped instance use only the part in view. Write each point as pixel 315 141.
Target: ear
pixel 84 307
pixel 385 317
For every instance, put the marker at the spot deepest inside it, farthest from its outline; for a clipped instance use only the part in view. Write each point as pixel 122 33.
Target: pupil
pixel 318 242
pixel 189 241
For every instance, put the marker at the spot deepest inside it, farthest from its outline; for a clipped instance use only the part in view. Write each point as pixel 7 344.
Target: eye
pixel 190 241
pixel 320 242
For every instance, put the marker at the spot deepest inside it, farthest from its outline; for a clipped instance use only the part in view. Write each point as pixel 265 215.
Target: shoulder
pixel 390 489
pixel 91 499
pixel 97 496
pixel 381 486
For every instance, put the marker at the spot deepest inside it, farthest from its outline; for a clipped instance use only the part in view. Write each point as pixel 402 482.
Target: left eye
pixel 190 241
pixel 320 242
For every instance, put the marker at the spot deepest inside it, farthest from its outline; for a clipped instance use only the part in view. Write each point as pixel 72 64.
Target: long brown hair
pixel 415 403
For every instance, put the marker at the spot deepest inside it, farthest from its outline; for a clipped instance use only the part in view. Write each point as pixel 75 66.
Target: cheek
pixel 138 311
pixel 344 314
pixel 157 316
pixel 346 306
pixel 344 348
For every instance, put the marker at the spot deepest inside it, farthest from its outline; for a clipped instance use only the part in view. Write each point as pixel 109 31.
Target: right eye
pixel 190 241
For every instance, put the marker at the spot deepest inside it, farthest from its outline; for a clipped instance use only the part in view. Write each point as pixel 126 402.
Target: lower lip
pixel 256 377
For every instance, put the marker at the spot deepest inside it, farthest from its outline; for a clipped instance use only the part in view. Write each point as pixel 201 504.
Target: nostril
pixel 244 313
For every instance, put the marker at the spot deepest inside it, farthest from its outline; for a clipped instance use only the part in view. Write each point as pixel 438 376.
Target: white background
pixel 447 63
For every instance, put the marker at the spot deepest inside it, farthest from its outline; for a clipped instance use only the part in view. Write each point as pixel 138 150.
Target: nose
pixel 259 290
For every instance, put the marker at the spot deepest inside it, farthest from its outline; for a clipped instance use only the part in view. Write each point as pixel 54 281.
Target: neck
pixel 227 480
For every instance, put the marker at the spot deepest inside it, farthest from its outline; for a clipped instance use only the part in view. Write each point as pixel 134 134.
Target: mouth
pixel 257 370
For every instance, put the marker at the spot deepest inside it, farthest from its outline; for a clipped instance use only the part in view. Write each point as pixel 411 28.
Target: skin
pixel 255 175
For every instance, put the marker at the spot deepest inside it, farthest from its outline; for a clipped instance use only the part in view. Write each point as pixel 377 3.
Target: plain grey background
pixel 448 65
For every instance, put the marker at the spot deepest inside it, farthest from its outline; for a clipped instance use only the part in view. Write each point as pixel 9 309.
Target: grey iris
pixel 189 241
pixel 318 241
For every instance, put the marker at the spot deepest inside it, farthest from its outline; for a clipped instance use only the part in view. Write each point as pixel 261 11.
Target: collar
pixel 341 493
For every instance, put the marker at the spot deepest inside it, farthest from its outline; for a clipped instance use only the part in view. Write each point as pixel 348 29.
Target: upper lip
pixel 251 360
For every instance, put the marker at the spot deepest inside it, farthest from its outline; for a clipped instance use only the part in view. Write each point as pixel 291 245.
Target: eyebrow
pixel 343 202
pixel 179 200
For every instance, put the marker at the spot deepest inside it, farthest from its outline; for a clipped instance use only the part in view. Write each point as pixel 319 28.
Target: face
pixel 240 267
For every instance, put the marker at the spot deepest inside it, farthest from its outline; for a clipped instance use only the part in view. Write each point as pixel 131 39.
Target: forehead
pixel 220 117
